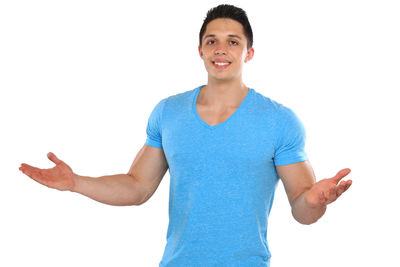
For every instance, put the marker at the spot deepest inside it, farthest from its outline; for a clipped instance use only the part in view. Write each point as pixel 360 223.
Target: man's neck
pixel 222 94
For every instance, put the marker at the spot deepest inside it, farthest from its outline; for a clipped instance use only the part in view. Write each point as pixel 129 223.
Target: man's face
pixel 224 49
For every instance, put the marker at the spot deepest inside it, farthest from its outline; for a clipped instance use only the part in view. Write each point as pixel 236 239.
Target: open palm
pixel 328 190
pixel 59 177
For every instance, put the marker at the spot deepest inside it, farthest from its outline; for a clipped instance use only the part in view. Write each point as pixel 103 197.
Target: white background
pixel 80 78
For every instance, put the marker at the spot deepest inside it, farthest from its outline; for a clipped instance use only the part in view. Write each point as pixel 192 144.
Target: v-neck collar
pixel 212 127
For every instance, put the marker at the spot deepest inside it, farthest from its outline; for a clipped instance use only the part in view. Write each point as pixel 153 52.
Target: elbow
pixel 306 222
pixel 138 193
pixel 143 199
pixel 306 215
pixel 131 201
pixel 306 218
pixel 138 203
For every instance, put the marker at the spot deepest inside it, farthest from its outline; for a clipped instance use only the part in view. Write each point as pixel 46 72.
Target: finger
pixel 342 173
pixel 34 173
pixel 344 188
pixel 53 158
pixel 332 194
pixel 29 170
pixel 341 188
pixel 348 184
pixel 26 167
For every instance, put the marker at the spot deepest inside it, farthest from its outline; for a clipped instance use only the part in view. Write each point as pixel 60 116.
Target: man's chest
pixel 245 140
pixel 212 116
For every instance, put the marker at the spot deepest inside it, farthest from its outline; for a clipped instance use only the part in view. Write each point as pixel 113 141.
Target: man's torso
pixel 222 180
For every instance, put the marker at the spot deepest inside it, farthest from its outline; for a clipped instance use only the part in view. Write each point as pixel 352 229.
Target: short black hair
pixel 230 12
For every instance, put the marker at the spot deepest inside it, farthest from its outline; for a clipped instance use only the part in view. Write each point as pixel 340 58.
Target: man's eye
pixel 234 42
pixel 210 41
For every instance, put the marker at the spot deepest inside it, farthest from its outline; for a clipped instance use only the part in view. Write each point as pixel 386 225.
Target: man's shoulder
pixel 180 97
pixel 279 111
pixel 267 102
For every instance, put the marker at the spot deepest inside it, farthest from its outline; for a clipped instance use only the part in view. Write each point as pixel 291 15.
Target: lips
pixel 221 60
pixel 220 63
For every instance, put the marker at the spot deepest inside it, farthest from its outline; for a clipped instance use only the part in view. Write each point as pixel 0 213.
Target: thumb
pixel 53 158
pixel 342 173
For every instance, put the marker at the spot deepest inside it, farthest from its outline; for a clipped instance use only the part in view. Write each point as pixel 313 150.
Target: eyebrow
pixel 229 35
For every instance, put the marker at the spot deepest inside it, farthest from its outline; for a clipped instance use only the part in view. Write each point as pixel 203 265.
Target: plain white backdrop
pixel 80 78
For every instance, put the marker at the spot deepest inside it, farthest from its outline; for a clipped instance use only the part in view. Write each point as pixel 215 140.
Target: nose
pixel 220 50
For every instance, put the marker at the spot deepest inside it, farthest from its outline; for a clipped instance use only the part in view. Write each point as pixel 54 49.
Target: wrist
pixel 76 180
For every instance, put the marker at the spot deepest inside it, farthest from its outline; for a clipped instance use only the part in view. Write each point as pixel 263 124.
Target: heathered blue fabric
pixel 222 177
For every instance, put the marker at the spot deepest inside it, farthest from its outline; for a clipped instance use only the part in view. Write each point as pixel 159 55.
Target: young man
pixel 226 146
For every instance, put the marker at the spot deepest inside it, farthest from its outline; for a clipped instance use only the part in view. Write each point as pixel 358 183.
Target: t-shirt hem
pixel 290 161
pixel 153 143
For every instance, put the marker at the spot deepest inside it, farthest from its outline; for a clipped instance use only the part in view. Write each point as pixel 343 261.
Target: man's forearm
pixel 116 190
pixel 304 213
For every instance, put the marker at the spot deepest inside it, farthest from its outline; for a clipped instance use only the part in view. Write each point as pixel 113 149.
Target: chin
pixel 222 78
pixel 224 75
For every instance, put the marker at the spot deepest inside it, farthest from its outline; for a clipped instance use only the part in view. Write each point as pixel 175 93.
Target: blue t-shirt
pixel 222 177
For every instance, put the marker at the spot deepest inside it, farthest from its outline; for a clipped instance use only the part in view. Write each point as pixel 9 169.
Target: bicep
pixel 149 167
pixel 296 178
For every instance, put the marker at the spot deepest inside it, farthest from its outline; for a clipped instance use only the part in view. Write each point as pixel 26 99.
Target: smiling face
pixel 224 49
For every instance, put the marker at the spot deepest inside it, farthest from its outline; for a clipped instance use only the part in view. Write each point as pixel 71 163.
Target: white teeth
pixel 221 63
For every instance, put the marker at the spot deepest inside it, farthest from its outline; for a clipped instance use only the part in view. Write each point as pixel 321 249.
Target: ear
pixel 200 52
pixel 250 54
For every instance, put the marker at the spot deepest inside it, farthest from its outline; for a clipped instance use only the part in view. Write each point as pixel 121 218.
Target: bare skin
pixel 308 198
pixel 328 190
pixel 224 40
pixel 132 188
pixel 59 177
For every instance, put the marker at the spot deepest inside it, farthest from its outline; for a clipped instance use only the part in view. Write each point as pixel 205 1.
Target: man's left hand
pixel 327 190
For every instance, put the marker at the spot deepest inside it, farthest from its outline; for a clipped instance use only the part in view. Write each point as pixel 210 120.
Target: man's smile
pixel 221 63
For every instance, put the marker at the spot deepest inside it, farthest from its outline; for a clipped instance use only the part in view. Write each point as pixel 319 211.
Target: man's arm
pixel 148 168
pixel 133 188
pixel 307 197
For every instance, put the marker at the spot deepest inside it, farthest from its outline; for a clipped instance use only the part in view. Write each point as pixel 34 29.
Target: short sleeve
pixel 153 131
pixel 291 137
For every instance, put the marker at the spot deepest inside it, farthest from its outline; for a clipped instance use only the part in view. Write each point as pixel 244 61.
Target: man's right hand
pixel 60 177
pixel 133 188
